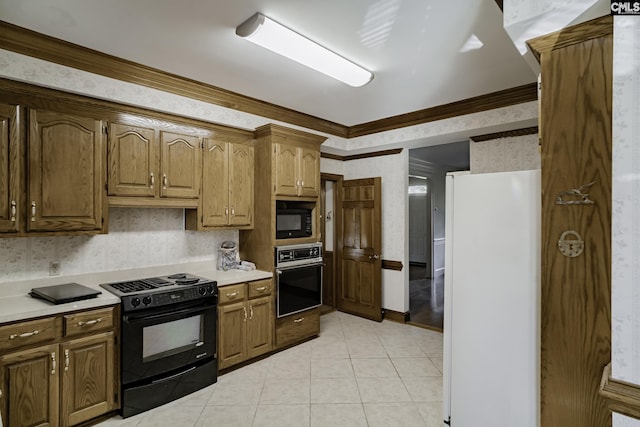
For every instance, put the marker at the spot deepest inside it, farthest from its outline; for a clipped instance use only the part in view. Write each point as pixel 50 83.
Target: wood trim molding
pixel 396 316
pixel 621 396
pixel 331 177
pixel 392 265
pixel 363 155
pixel 505 134
pixel 37 45
pixel 490 101
pixel 593 29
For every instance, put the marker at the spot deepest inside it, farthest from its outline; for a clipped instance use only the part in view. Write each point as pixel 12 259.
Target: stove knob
pixel 202 290
pixel 146 300
pixel 135 302
pixel 210 289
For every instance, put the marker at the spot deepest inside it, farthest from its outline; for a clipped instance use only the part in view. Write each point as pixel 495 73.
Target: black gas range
pixel 160 291
pixel 168 338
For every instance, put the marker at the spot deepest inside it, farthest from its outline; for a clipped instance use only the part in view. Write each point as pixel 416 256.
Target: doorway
pixel 330 185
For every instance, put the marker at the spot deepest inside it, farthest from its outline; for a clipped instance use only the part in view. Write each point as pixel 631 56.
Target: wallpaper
pixel 505 154
pixel 137 238
pixel 626 194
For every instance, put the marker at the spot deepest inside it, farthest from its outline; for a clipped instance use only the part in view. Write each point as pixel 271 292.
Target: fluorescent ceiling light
pixel 271 35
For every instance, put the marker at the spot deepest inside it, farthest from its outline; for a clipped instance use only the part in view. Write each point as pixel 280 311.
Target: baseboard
pixel 396 316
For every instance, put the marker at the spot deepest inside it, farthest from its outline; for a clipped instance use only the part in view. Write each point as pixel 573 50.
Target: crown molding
pixel 41 46
pixel 506 134
pixel 362 156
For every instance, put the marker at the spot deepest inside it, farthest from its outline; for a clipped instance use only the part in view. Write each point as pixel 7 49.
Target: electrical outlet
pixel 54 268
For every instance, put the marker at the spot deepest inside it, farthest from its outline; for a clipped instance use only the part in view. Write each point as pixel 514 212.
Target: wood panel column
pixel 575 136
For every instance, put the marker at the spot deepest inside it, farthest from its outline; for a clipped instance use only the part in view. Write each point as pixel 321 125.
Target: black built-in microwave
pixel 293 222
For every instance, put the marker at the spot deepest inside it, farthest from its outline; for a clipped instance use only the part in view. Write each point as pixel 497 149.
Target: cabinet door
pixel 133 161
pixel 29 385
pixel 87 378
pixel 241 184
pixel 66 187
pixel 180 163
pixel 285 169
pixel 309 172
pixel 10 169
pixel 215 179
pixel 232 336
pixel 260 326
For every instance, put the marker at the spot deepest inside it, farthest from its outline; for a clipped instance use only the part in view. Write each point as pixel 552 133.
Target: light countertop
pixel 16 304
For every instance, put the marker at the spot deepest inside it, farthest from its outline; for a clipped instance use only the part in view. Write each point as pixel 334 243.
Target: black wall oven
pixel 298 278
pixel 168 343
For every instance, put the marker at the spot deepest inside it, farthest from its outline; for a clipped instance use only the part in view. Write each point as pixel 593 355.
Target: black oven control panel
pixel 168 297
pixel 304 253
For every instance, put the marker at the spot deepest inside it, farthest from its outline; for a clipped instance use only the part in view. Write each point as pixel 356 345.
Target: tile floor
pixel 356 373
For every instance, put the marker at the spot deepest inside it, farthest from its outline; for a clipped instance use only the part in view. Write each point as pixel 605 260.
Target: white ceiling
pixel 414 48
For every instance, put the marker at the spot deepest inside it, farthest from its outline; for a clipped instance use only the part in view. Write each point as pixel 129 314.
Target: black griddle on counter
pixel 67 292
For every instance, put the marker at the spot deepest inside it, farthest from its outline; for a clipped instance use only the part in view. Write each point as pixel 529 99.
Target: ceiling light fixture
pixel 271 35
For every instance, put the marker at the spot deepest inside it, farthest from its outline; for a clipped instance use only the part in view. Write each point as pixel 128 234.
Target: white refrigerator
pixel 492 300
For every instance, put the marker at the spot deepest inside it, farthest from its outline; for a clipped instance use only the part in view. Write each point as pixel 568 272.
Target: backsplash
pixel 136 238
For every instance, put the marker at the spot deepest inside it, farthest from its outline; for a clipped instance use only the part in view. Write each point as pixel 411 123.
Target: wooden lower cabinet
pixel 245 323
pixel 63 382
pixel 87 378
pixel 297 327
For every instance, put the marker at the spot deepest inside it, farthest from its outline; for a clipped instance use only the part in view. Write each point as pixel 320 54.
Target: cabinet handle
pixel 226 211
pixel 14 210
pixel 0 394
pixel 233 211
pixel 245 313
pixel 250 312
pixel 297 183
pixel 66 360
pixel 164 181
pixel 153 179
pixel 298 320
pixel 261 289
pixel 24 335
pixel 301 183
pixel 232 294
pixel 90 322
pixel 33 211
pixel 53 363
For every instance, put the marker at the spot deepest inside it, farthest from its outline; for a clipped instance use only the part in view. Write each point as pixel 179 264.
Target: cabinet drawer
pixel 297 327
pixel 88 321
pixel 232 293
pixel 27 333
pixel 260 288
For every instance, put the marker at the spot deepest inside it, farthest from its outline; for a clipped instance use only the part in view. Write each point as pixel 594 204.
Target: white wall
pixel 513 153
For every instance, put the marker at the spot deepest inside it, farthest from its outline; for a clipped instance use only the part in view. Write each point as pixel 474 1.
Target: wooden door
pixel 260 326
pixel 10 169
pixel 359 248
pixel 232 334
pixel 29 385
pixel 309 174
pixel 215 179
pixel 180 164
pixel 87 369
pixel 133 161
pixel 241 184
pixel 285 159
pixel 575 127
pixel 66 186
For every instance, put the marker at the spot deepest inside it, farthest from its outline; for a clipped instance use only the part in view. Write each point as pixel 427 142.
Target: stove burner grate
pixel 139 285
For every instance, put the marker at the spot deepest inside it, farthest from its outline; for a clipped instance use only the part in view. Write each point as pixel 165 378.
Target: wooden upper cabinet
pixel 297 171
pixel 227 177
pixel 10 170
pixel 180 165
pixel 286 170
pixel 65 190
pixel 133 161
pixel 241 184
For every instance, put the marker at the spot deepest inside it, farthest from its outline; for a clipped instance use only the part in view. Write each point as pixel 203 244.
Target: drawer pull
pixel 66 360
pixel 24 335
pixel 262 288
pixel 201 355
pixel 233 294
pixel 33 211
pixel 250 312
pixel 90 322
pixel 14 210
pixel 298 320
pixel 53 363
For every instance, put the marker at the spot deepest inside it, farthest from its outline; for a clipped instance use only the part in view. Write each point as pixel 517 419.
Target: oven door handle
pixel 139 316
pixel 281 270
